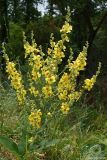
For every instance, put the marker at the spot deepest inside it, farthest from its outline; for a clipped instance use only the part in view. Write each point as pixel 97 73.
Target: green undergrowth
pixel 82 135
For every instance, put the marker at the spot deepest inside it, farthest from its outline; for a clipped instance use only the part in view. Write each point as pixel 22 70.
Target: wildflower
pixel 35 118
pixel 74 96
pixel 66 28
pixel 35 61
pixel 10 68
pixel 65 108
pixel 33 91
pixel 47 90
pixel 49 77
pixel 49 114
pixel 65 86
pixel 89 83
pixel 21 95
pixel 30 49
pixel 58 53
pixel 63 95
pixel 46 70
pixel 35 74
pixel 49 51
pixel 16 81
pixel 79 64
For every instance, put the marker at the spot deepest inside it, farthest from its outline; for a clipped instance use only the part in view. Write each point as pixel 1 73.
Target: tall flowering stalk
pixel 16 80
pixel 43 77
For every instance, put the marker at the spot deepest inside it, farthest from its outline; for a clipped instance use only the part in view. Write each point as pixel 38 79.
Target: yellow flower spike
pixel 64 86
pixel 79 64
pixel 89 83
pixel 16 81
pixel 21 95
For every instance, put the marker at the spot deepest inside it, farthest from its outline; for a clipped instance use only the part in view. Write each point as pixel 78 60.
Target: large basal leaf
pixel 22 146
pixel 9 145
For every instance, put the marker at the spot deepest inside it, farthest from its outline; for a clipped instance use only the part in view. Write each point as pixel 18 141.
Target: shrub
pixel 14 46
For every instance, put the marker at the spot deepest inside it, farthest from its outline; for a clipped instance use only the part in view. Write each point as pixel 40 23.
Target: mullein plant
pixel 45 84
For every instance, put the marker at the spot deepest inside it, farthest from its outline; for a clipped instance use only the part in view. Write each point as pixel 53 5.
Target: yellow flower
pixel 63 95
pixel 21 95
pixel 89 83
pixel 50 79
pixel 30 49
pixel 35 118
pixel 66 28
pixel 35 61
pixel 58 54
pixel 47 90
pixel 10 68
pixel 35 75
pixel 49 114
pixel 79 64
pixel 65 108
pixel 33 91
pixel 49 51
pixel 74 96
pixel 65 86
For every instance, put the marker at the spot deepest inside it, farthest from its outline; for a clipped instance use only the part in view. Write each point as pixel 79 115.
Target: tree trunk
pixel 91 37
pixel 15 7
pixel 4 31
pixel 93 32
pixel 28 10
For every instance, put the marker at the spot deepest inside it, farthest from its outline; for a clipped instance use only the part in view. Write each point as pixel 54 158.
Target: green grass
pixel 82 135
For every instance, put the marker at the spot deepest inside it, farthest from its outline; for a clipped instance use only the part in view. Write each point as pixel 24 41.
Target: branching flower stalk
pixel 44 80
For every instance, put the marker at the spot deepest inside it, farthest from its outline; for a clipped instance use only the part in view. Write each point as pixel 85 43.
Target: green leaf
pixel 46 144
pixel 9 144
pixel 52 143
pixel 22 144
pixel 22 147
